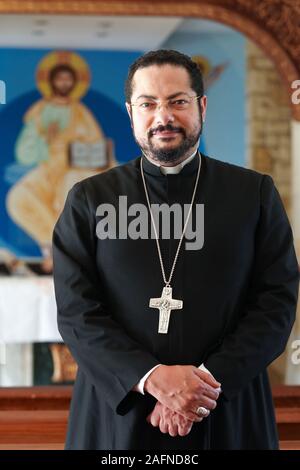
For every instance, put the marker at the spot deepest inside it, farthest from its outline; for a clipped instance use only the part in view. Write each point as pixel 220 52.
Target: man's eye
pixel 179 102
pixel 146 104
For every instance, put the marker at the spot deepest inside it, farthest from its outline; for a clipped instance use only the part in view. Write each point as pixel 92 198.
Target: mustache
pixel 168 127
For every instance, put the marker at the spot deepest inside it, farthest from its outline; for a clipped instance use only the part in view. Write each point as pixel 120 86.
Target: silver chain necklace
pixel 166 303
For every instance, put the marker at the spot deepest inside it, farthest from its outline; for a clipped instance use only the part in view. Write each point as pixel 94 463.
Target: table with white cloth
pixel 27 315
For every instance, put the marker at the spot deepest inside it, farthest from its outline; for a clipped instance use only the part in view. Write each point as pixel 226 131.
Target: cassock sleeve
pixel 265 323
pixel 104 352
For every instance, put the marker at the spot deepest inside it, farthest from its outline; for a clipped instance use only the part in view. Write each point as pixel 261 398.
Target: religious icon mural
pixel 64 142
pixel 63 121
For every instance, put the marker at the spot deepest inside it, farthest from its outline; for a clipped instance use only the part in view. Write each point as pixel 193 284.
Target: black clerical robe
pixel 239 295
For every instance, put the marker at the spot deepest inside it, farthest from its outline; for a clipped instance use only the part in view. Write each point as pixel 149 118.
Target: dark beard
pixel 171 155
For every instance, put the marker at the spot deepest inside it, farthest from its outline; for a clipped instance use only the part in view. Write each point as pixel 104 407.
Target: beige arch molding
pixel 271 24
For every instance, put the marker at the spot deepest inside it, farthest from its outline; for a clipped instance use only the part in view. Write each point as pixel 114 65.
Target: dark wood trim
pixel 36 417
pixel 59 396
pixel 35 398
pixel 286 396
pixel 33 427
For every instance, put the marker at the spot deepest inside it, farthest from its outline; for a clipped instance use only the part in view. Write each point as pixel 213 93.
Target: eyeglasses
pixel 181 103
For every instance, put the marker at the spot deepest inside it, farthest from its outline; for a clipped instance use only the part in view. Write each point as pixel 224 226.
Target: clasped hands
pixel 180 391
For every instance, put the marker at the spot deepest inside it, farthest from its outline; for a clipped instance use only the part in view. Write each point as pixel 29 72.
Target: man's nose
pixel 163 115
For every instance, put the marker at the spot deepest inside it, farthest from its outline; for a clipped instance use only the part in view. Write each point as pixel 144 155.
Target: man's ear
pixel 128 108
pixel 203 106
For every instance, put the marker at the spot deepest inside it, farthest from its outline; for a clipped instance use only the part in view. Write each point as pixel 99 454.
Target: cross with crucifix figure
pixel 165 304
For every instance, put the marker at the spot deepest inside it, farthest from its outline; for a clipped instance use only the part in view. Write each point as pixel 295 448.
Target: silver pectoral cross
pixel 166 304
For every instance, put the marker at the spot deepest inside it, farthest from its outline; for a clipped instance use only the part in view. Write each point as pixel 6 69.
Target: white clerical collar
pixel 174 170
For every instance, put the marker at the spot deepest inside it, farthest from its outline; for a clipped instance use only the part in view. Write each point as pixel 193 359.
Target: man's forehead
pixel 168 78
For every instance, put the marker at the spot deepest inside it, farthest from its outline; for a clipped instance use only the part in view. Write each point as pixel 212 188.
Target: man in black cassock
pixel 200 382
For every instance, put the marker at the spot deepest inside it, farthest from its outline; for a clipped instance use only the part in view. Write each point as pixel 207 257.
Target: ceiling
pixel 97 32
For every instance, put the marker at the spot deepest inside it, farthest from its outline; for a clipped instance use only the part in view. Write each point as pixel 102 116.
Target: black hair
pixel 162 57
